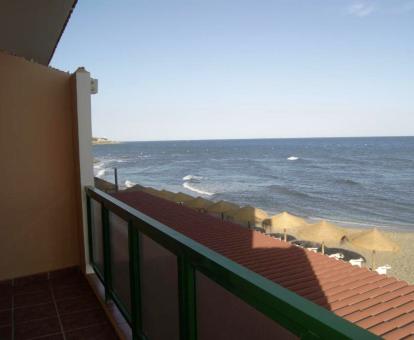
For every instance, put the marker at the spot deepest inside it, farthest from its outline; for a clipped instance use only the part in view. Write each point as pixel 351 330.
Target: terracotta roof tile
pixel 405 332
pixel 388 326
pixel 382 304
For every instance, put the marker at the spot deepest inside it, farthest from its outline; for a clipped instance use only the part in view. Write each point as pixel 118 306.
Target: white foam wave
pixel 192 178
pixel 201 192
pixel 129 184
pixel 292 158
pixel 100 173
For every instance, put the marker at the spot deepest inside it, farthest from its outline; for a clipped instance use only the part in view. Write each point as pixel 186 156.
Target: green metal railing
pixel 298 315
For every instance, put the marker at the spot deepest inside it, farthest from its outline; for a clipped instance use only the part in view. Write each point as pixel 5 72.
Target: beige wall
pixel 39 205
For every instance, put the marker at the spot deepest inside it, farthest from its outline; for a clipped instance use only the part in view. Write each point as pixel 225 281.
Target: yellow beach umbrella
pixel 221 208
pixel 283 221
pixel 198 203
pixel 181 197
pixel 374 241
pixel 248 215
pixel 322 232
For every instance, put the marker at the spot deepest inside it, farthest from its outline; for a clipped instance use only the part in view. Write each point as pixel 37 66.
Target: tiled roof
pixel 381 304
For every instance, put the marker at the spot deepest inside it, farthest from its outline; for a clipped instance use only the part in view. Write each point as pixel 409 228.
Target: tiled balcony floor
pixel 56 305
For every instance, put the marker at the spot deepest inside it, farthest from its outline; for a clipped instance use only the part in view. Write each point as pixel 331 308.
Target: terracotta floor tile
pixel 5 302
pixel 24 314
pixel 6 333
pixel 51 337
pixel 71 292
pixel 76 280
pixel 6 287
pixel 6 318
pixel 84 319
pixel 79 304
pixel 34 287
pixel 31 299
pixel 37 328
pixel 5 283
pixel 100 332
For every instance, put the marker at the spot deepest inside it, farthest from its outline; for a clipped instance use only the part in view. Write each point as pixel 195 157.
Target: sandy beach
pixel 401 262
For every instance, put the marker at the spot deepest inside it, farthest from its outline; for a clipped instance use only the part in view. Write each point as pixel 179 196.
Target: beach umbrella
pixel 283 221
pixel 322 232
pixel 374 241
pixel 181 197
pixel 222 207
pixel 248 215
pixel 198 203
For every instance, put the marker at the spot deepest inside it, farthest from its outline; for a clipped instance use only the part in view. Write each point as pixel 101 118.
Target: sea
pixel 355 182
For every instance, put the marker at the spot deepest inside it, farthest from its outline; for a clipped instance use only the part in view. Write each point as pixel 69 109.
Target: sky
pixel 218 69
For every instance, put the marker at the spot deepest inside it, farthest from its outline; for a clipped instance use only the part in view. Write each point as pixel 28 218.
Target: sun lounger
pixel 357 262
pixel 383 269
pixel 337 256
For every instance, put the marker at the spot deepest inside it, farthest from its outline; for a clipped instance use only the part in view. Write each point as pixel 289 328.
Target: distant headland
pixel 101 140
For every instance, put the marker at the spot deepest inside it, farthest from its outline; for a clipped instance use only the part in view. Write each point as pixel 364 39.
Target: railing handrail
pixel 293 312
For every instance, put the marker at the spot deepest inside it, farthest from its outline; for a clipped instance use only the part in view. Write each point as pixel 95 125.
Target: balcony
pixel 55 305
pixel 169 286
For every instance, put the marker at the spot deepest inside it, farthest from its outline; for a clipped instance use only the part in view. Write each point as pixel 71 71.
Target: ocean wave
pixel 292 158
pixel 111 161
pixel 192 178
pixel 347 181
pixel 287 191
pixel 100 173
pixel 129 184
pixel 188 186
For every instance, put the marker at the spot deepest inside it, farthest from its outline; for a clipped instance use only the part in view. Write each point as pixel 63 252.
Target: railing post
pixel 106 253
pixel 135 281
pixel 187 299
pixel 116 179
pixel 89 221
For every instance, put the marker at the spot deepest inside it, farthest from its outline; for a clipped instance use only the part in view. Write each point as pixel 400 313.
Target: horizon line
pixel 257 138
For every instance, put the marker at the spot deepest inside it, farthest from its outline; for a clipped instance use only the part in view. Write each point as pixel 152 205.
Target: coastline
pixel 105 142
pixel 401 267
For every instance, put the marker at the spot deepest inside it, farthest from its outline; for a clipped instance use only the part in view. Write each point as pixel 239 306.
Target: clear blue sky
pixel 202 69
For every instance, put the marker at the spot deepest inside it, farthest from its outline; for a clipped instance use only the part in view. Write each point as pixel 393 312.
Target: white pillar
pixel 85 86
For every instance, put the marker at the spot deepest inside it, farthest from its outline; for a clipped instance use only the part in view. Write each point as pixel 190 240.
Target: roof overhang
pixel 32 28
